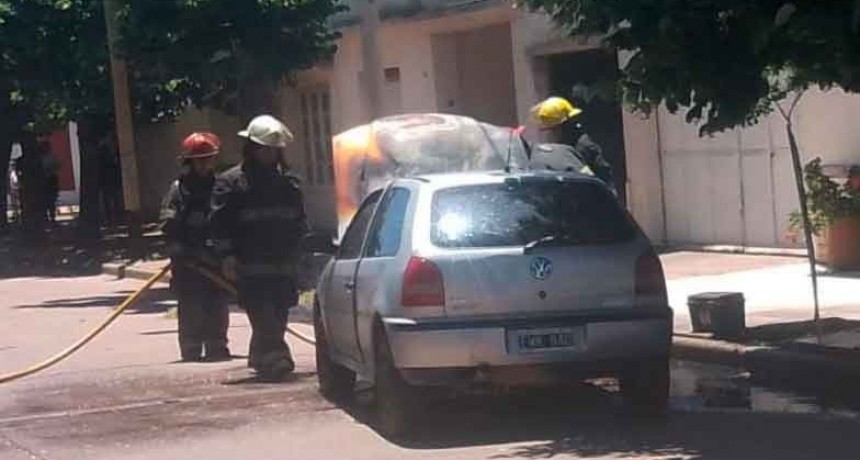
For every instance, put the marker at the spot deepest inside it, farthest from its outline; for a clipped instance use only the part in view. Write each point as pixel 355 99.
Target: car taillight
pixel 650 282
pixel 422 284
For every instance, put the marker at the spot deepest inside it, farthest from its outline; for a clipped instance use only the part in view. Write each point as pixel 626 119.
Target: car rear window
pixel 517 213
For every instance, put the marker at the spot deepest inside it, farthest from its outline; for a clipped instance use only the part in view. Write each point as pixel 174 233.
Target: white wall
pixel 409 46
pixel 447 73
pixel 346 89
pixel 738 187
pixel 401 46
pixel 473 72
pixel 827 126
pixel 531 77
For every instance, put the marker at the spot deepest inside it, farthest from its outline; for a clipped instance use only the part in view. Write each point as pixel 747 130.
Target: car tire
pixel 645 387
pixel 336 382
pixel 394 398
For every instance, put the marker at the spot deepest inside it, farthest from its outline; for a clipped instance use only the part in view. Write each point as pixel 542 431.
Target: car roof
pixel 446 180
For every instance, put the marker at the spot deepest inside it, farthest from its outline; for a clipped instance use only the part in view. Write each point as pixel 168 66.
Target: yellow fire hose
pixel 227 286
pixel 91 335
pixel 129 301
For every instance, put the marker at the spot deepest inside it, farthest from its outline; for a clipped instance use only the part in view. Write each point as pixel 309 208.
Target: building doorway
pixel 588 79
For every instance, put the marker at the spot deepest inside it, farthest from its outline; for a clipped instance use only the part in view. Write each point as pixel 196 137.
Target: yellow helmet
pixel 554 111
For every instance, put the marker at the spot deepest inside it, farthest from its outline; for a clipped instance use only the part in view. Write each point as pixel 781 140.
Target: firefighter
pixel 259 221
pixel 558 114
pixel 203 312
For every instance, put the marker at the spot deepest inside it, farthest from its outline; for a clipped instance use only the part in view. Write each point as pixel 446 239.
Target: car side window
pixel 350 247
pixel 385 235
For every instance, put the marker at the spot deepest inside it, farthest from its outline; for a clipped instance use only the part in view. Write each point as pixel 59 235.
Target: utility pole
pixel 122 113
pixel 371 71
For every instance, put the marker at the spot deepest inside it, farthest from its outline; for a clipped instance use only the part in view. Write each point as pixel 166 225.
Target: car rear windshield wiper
pixel 550 240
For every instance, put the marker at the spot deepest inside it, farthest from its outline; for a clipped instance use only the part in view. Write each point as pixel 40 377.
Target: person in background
pixel 203 311
pixel 51 180
pixel 110 179
pixel 558 114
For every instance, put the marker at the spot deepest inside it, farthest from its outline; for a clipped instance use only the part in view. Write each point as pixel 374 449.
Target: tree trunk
pixel 89 221
pixel 804 211
pixel 5 152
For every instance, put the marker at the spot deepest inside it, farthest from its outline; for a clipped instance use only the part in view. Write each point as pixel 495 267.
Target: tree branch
pixel 795 102
pixel 786 114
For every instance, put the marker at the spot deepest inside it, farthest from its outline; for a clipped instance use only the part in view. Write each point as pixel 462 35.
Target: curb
pixel 731 249
pixel 124 270
pixel 822 367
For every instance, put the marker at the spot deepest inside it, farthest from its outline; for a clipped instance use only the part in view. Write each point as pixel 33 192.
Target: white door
pixel 735 188
pixel 377 272
pixel 340 298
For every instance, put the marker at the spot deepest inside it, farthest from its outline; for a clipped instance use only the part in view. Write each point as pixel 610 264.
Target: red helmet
pixel 200 145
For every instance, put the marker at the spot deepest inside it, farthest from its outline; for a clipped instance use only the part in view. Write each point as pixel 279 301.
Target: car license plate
pixel 546 339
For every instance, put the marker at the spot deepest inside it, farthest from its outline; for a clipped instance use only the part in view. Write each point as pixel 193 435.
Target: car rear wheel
pixel 395 399
pixel 645 387
pixel 336 382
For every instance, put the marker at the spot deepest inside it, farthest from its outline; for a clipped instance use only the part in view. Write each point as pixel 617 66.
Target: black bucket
pixel 720 313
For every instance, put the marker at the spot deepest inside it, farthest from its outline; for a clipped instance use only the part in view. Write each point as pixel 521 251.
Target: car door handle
pixel 349 286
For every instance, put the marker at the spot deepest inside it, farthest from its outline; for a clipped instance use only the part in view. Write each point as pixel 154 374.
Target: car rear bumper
pixel 436 351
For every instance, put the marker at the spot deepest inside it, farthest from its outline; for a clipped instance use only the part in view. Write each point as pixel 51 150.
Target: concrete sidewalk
pixel 778 295
pixel 776 289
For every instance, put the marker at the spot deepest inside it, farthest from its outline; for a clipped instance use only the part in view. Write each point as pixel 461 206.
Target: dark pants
pixel 267 300
pixel 203 315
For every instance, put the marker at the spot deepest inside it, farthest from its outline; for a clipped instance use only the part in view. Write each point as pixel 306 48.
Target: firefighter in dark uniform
pixel 203 313
pixel 585 156
pixel 259 222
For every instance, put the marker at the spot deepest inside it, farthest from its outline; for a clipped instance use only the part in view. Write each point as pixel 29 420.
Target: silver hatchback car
pixel 492 278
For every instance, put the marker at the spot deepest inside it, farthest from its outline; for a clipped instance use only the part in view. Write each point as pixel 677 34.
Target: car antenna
pixel 518 131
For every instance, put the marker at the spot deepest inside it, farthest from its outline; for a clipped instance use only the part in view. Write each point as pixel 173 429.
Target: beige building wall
pixel 733 188
pixel 430 57
pixel 738 187
pixel 158 146
pixel 827 126
pixel 308 110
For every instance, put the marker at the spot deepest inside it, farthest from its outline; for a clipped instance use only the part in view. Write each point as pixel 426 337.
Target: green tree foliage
pixel 225 53
pixel 228 54
pixel 726 62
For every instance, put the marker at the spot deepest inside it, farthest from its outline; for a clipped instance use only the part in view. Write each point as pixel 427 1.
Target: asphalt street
pixel 126 397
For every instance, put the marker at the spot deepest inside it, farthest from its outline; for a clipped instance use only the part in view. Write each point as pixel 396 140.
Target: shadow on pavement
pixel 560 427
pixel 707 422
pixel 157 300
pixel 258 380
pixel 698 436
pixel 854 274
pixel 787 332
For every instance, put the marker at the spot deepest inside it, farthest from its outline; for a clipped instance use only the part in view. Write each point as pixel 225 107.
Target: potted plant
pixel 834 211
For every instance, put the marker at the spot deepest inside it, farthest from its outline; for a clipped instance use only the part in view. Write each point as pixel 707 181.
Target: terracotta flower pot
pixel 822 247
pixel 842 243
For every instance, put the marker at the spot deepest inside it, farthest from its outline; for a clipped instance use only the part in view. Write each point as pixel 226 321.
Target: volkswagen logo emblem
pixel 540 268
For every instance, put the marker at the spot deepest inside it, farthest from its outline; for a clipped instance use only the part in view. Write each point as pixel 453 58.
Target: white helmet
pixel 267 130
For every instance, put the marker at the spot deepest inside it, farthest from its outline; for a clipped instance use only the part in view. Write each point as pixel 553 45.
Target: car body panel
pixel 490 292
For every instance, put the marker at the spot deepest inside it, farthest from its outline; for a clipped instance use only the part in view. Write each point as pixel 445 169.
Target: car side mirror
pixel 319 243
